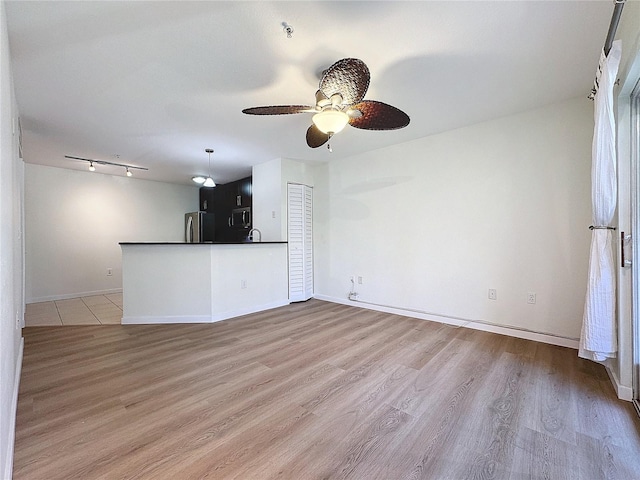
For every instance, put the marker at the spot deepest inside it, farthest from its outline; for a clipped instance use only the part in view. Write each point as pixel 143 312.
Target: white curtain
pixel 598 340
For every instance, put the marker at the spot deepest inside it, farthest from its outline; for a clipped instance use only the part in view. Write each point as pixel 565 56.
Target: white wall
pixel 269 189
pixel 11 258
pixel 266 209
pixel 432 224
pixel 75 221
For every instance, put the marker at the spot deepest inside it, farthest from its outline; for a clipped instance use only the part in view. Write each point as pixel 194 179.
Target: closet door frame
pixel 300 241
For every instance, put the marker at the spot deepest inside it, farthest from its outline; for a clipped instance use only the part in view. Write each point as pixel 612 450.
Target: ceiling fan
pixel 339 100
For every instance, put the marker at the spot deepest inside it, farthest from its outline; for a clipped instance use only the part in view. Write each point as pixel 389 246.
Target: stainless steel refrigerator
pixel 199 227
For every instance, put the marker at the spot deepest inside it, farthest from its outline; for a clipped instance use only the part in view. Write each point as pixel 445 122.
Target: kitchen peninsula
pixel 201 282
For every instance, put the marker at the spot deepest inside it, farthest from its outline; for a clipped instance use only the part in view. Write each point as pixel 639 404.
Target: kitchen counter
pixel 202 243
pixel 164 282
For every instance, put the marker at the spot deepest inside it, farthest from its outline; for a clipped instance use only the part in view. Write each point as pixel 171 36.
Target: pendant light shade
pixel 209 182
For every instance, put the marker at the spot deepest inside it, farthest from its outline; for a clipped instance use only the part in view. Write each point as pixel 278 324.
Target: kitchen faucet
pixel 250 236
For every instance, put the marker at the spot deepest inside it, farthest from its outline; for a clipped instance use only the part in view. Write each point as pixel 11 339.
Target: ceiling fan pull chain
pixel 329 142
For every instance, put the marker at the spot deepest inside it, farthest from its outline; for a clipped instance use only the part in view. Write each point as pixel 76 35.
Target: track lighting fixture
pixel 92 167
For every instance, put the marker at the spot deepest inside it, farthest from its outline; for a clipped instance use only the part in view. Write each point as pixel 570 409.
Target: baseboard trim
pixel 623 392
pixel 485 327
pixel 217 317
pixel 150 319
pixel 52 298
pixel 8 472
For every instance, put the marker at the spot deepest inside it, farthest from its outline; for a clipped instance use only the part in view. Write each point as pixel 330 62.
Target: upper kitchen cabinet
pixel 206 199
pixel 228 198
pixel 243 192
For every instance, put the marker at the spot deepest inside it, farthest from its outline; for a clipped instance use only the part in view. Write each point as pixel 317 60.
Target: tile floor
pixel 93 310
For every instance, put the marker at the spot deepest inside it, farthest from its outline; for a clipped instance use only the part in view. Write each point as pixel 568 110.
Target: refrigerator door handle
pixel 188 234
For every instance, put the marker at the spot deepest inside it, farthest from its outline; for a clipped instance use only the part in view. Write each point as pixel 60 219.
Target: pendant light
pixel 209 181
pixel 205 181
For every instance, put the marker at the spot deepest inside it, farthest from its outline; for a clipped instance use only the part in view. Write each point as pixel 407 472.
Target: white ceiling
pixel 158 82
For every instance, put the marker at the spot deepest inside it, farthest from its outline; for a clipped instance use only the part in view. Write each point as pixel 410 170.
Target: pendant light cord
pixel 209 151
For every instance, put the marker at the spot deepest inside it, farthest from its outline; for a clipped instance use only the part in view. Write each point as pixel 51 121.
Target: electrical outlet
pixel 493 294
pixel 531 297
pixel 359 280
pixel 243 284
pixel 109 272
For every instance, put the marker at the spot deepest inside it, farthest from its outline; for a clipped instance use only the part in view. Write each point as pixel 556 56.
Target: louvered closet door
pixel 300 238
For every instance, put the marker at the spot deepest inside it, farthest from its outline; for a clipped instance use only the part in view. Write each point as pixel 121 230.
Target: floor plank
pixel 312 390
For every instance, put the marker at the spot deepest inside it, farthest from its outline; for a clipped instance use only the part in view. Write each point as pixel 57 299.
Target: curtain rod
pixel 611 34
pixel 613 26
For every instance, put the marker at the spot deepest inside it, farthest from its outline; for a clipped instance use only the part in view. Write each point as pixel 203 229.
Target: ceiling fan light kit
pixel 330 121
pixel 339 101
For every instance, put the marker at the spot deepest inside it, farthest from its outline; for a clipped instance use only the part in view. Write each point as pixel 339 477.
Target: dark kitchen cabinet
pixel 243 192
pixel 223 201
pixel 206 199
pixel 227 198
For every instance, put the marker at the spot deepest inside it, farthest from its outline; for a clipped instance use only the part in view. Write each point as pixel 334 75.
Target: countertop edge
pixel 203 243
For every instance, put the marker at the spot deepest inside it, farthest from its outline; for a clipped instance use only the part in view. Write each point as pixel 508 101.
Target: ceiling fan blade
pixel 315 138
pixel 278 110
pixel 349 77
pixel 378 116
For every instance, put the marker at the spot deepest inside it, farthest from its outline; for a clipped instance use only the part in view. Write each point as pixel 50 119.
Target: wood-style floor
pixel 314 391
